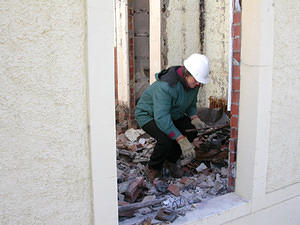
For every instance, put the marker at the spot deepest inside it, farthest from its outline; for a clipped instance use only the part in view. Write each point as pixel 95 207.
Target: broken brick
pixel 187 182
pixel 174 189
pixel 166 215
pixel 134 189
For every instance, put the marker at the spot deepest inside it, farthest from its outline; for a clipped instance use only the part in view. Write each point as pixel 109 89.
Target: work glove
pixel 187 149
pixel 198 124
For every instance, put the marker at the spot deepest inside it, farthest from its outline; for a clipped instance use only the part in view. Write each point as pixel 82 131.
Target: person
pixel 167 108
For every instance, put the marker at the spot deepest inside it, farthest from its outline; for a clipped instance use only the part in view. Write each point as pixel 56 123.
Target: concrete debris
pixel 201 167
pixel 133 134
pixel 166 215
pixel 167 198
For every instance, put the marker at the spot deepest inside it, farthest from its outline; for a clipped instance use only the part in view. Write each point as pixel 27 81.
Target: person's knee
pixel 166 143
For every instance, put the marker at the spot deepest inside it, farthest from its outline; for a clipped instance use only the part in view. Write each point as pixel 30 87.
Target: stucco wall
pixel 182 38
pixel 216 47
pixel 182 31
pixel 44 166
pixel 121 23
pixel 284 154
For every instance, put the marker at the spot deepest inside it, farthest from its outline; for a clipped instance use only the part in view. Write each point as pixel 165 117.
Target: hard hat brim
pixel 203 81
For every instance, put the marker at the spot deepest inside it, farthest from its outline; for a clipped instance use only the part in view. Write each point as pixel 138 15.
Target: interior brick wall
pixel 131 121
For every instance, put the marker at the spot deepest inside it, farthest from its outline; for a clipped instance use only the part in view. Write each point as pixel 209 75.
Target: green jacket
pixel 167 99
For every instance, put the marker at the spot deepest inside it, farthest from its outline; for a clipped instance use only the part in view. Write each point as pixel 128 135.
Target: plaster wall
pixel 182 33
pixel 182 38
pixel 121 23
pixel 286 212
pixel 45 164
pixel 284 154
pixel 216 47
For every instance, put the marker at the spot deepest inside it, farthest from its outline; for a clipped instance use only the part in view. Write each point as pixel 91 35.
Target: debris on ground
pixel 167 198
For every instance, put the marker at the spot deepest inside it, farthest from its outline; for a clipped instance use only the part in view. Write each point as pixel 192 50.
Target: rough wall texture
pixel 44 166
pixel 216 47
pixel 181 35
pixel 284 155
pixel 182 30
pixel 121 22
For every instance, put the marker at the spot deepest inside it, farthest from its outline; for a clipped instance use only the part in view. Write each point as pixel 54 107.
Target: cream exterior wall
pixel 284 154
pixel 45 165
pixel 45 172
pixel 286 212
pixel 100 58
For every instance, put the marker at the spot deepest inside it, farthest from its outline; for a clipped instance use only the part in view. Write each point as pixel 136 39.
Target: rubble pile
pixel 167 198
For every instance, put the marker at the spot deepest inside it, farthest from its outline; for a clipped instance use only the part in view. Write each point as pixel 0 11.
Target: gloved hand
pixel 186 147
pixel 198 124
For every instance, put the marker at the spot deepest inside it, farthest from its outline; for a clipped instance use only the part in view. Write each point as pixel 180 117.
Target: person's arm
pixel 192 112
pixel 162 104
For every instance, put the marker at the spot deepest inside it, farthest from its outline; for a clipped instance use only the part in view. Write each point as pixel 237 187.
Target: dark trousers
pixel 166 148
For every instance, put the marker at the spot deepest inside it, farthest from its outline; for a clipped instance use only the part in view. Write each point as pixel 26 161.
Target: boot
pixel 151 174
pixel 174 170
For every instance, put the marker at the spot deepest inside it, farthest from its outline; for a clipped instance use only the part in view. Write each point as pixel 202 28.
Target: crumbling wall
pixel 181 30
pixel 216 47
pixel 284 154
pixel 185 29
pixel 44 166
pixel 141 46
pixel 121 33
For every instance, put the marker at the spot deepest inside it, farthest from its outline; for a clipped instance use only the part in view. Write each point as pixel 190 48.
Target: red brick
pixel 235 84
pixel 130 11
pixel 131 70
pixel 130 26
pixel 231 183
pixel 134 189
pixel 236 17
pixel 121 203
pixel 130 48
pixel 235 97
pixel 232 157
pixel 186 181
pixel 236 44
pixel 131 62
pixel 234 109
pixel 233 133
pixel 234 122
pixel 231 147
pixel 236 30
pixel 237 56
pixel 174 189
pixel 236 71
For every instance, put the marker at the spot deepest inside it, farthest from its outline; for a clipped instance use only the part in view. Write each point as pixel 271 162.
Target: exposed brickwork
pixel 235 95
pixel 234 109
pixel 131 121
pixel 236 71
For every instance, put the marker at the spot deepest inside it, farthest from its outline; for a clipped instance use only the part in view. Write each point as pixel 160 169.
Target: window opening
pixel 209 175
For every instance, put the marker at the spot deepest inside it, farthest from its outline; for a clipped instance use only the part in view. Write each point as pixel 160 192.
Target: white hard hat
pixel 198 66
